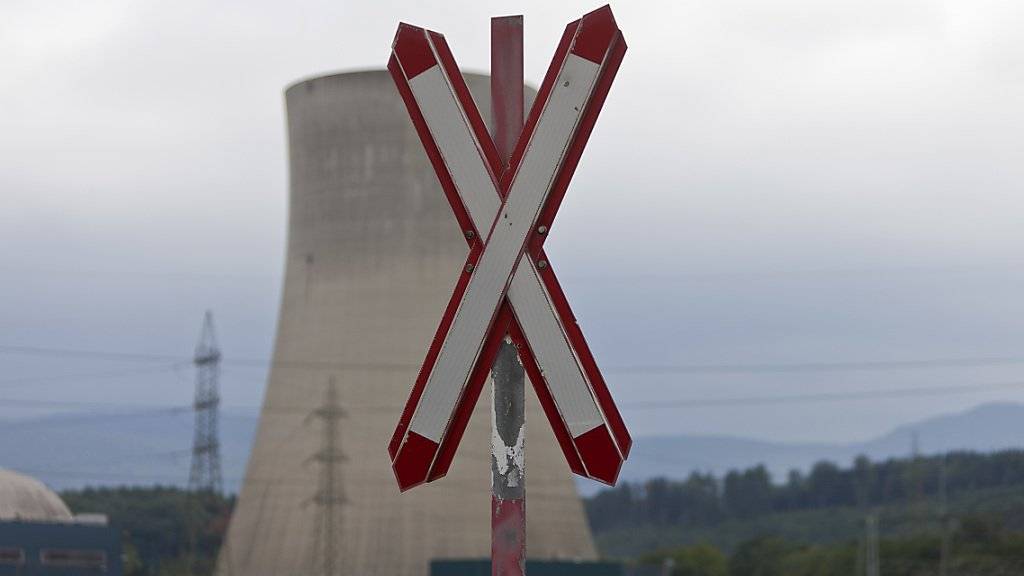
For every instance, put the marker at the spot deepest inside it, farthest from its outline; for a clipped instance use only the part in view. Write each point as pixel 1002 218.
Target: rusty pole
pixel 508 427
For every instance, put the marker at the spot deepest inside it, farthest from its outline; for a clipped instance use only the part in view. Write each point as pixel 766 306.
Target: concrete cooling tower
pixel 373 254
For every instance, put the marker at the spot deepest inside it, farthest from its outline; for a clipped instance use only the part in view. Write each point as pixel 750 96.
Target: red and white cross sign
pixel 507 286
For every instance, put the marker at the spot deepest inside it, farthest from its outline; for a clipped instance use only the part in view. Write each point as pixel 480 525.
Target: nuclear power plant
pixel 373 253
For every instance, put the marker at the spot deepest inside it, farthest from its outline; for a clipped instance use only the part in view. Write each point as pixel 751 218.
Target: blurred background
pixel 794 238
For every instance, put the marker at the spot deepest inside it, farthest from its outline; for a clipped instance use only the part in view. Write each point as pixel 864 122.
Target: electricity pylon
pixel 329 496
pixel 206 473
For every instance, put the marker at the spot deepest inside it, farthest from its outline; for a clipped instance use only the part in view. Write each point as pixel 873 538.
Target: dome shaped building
pixel 23 498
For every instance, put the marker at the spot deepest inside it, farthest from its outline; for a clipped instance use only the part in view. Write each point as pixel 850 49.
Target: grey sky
pixel 787 181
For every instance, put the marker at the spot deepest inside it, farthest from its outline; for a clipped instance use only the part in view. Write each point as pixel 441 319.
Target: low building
pixel 482 567
pixel 40 536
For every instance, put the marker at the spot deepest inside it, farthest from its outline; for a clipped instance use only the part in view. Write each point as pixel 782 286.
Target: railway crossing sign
pixel 508 287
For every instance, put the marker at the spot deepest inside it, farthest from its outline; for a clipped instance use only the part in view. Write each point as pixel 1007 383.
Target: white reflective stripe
pixel 454 139
pixel 458 146
pixel 443 115
pixel 558 363
pixel 532 184
pixel 554 355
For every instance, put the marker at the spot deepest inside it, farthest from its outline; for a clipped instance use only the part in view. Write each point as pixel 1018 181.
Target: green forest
pixel 743 524
pixel 165 531
pixel 977 547
pixel 970 505
pixel 703 500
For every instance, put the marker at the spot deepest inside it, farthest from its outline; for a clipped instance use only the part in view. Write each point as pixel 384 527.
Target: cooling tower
pixel 373 254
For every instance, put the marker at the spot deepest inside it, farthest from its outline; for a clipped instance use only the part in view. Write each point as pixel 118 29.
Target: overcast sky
pixel 790 181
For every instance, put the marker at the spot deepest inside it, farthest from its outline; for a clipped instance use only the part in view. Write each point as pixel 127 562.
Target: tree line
pixel 705 500
pixel 165 531
pixel 978 547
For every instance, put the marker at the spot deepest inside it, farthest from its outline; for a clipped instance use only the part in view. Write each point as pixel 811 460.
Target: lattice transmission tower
pixel 329 496
pixel 872 564
pixel 206 472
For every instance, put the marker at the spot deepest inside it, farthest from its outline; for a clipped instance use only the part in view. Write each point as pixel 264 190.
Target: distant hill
pixel 112 449
pixel 144 448
pixel 986 428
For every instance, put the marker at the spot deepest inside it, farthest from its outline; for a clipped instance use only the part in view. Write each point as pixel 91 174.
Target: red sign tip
pixel 413 50
pixel 412 464
pixel 597 30
pixel 600 455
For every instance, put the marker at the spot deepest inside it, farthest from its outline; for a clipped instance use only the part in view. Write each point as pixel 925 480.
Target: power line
pixel 923 391
pixel 868 365
pixel 824 396
pixel 103 354
pixel 82 475
pixel 21 270
pixel 632 277
pixel 126 476
pixel 141 408
pixel 14 382
pixel 169 455
pixel 884 272
pixel 174 480
pixel 724 368
pixel 154 357
pixel 920 391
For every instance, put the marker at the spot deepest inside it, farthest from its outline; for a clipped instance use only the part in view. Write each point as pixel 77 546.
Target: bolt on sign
pixel 508 285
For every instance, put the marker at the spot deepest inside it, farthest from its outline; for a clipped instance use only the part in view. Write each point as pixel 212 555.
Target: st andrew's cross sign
pixel 508 285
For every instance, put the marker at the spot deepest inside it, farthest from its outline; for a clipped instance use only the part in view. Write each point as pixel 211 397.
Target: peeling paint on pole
pixel 508 434
pixel 508 469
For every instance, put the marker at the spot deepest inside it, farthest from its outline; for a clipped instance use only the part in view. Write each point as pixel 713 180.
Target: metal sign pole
pixel 508 426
